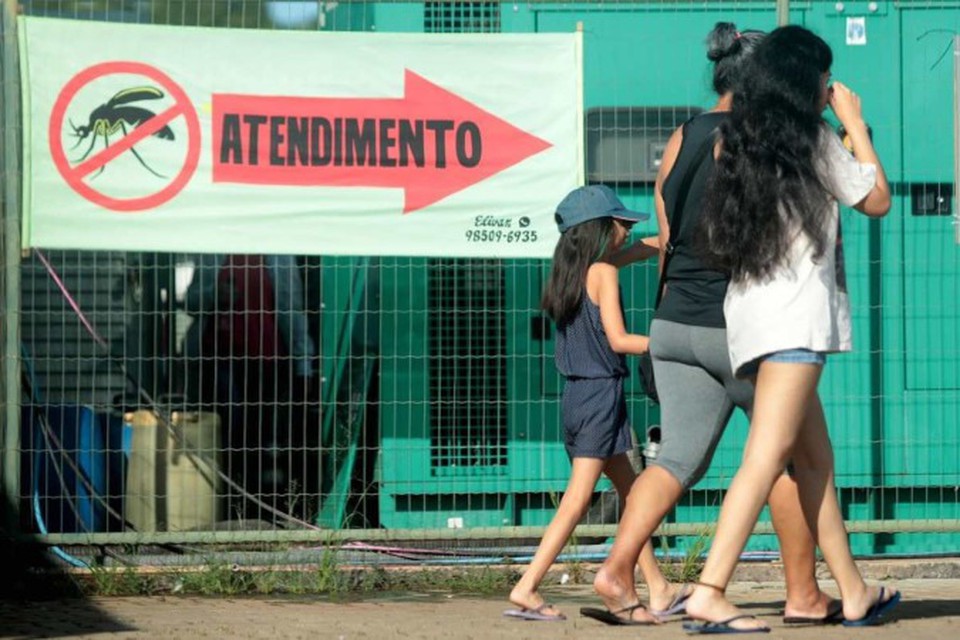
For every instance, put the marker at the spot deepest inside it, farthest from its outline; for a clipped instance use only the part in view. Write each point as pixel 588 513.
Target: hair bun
pixel 722 41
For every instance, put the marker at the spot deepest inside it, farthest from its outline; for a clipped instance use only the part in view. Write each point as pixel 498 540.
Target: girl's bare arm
pixel 603 287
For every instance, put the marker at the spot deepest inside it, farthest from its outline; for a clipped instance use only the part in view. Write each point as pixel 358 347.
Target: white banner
pixel 153 138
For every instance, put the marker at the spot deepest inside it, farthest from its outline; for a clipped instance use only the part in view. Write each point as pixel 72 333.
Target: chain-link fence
pixel 236 397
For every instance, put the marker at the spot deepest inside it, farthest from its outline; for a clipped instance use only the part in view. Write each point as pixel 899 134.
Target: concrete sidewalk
pixel 930 609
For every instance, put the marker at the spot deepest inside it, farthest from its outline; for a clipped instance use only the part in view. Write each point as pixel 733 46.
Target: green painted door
pixel 921 264
pixel 931 250
pixel 922 395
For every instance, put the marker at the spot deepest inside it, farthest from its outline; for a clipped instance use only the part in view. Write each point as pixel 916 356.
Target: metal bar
pixel 11 260
pixel 783 12
pixel 956 139
pixel 478 533
pixel 678 6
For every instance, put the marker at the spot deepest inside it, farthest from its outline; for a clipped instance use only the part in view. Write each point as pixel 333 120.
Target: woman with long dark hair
pixel 772 221
pixel 697 389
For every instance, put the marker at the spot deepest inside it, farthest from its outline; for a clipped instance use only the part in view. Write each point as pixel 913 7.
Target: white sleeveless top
pixel 805 304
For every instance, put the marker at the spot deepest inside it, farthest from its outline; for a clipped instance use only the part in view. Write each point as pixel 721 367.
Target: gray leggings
pixel 697 392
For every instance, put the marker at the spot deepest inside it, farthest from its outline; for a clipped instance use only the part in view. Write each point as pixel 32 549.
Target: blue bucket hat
pixel 592 202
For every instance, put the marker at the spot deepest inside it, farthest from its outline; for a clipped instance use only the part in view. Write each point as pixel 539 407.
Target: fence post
pixel 10 259
pixel 783 12
pixel 956 138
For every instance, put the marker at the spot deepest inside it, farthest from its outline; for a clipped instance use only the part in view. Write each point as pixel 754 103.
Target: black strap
pixel 705 147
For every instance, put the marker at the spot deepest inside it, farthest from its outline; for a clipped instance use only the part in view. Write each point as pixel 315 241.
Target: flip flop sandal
pixel 677 605
pixel 722 627
pixel 614 618
pixel 875 612
pixel 536 614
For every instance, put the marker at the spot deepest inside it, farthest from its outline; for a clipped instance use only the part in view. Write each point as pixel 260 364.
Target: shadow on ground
pixel 925 609
pixel 39 599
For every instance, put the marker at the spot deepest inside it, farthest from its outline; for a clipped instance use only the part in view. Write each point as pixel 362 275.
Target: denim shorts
pixel 790 356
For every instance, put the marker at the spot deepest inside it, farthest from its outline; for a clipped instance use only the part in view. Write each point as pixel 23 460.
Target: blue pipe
pixel 38 516
pixel 57 551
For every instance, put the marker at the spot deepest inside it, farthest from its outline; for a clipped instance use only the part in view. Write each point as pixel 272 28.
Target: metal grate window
pixel 468 370
pixel 461 17
pixel 468 380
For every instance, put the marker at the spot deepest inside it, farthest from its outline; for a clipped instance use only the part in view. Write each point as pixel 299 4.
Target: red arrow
pixel 431 143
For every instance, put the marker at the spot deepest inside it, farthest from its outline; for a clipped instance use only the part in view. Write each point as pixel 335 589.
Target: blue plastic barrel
pixel 72 498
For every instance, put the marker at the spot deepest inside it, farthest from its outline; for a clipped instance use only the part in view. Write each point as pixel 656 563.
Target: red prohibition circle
pixel 74 177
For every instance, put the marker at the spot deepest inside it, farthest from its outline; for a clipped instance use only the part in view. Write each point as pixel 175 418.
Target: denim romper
pixel 593 404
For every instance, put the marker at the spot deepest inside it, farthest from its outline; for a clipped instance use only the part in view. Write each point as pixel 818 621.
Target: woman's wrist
pixel 855 126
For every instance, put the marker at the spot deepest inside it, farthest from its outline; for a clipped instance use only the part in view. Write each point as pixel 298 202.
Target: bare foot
pixel 710 605
pixel 818 609
pixel 530 600
pixel 856 608
pixel 618 597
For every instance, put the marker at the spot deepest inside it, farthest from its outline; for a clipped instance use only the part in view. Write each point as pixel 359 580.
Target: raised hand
pixel 846 105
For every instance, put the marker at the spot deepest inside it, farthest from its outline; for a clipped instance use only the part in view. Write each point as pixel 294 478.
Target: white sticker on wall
pixel 857 31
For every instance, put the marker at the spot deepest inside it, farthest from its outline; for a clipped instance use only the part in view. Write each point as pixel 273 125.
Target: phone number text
pixel 498 235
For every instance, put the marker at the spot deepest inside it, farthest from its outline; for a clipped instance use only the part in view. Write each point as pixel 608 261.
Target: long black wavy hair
pixel 727 49
pixel 766 184
pixel 577 249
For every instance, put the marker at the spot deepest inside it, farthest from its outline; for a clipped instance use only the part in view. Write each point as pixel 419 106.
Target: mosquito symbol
pixel 112 116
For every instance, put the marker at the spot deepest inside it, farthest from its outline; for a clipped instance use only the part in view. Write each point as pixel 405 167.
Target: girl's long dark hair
pixel 766 184
pixel 577 249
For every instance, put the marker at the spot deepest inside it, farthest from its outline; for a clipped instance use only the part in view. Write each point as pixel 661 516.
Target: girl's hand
pixel 645 344
pixel 846 105
pixel 642 249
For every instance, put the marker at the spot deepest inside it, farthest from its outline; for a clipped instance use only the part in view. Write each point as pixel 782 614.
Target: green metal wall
pixel 892 405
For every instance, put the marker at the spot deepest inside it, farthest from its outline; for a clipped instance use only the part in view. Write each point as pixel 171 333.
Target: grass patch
pixel 479 581
pixel 325 578
pixel 208 573
pixel 328 577
pixel 687 568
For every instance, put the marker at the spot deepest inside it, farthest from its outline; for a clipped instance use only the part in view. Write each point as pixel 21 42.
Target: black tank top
pixel 694 293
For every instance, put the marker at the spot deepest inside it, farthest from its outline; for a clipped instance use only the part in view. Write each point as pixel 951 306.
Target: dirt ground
pixel 930 609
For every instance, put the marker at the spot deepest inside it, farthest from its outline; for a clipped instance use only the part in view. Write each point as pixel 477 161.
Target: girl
pixel 772 222
pixel 582 297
